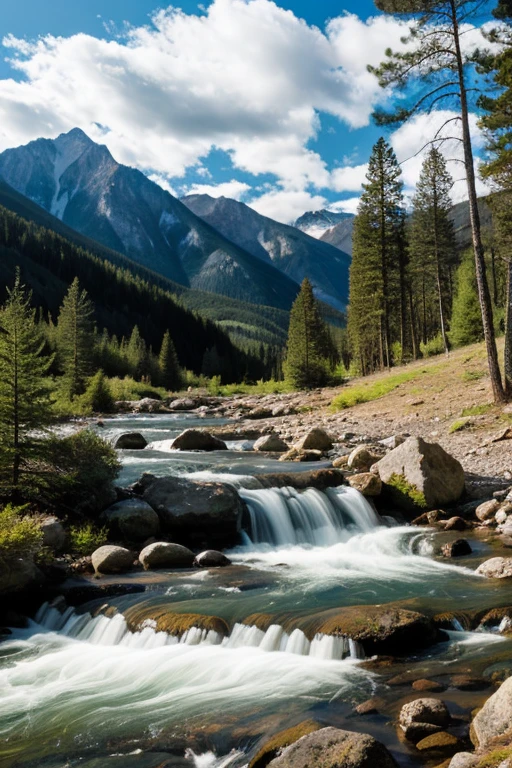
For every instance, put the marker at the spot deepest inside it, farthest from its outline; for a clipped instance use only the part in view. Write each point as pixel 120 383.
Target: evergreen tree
pixel 309 347
pixel 136 354
pixel 98 396
pixel 378 295
pixel 466 322
pixel 75 340
pixel 432 242
pixel 436 65
pixel 170 373
pixel 24 398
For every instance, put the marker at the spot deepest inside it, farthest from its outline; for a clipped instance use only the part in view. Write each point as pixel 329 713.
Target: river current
pixel 79 688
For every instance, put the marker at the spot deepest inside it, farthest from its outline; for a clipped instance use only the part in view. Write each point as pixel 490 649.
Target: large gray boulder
pixel 316 439
pixel 271 443
pixel 202 515
pixel 422 717
pixel 197 440
pixel 162 554
pixel 495 717
pixel 132 519
pixel 496 568
pixel 421 474
pixel 211 558
pixel 112 559
pixel 131 441
pixel 54 535
pixel 334 748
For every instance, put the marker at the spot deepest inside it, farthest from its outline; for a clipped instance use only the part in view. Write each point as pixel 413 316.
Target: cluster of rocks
pixel 159 554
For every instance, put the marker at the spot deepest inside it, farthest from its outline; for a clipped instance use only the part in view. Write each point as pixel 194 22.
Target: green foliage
pixel 495 758
pixel 376 316
pixel 435 346
pixel 477 410
pixel 75 340
pixel 466 323
pixel 24 398
pixel 169 367
pixel 458 426
pixel 366 392
pixel 407 491
pixel 20 535
pixel 84 539
pixel 98 396
pixel 129 389
pixel 310 350
pixel 473 375
pixel 81 466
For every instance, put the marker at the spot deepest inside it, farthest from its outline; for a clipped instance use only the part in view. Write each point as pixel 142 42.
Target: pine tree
pixel 378 270
pixel 98 396
pixel 432 242
pixel 309 346
pixel 75 340
pixel 136 354
pixel 466 322
pixel 436 65
pixel 24 397
pixel 170 373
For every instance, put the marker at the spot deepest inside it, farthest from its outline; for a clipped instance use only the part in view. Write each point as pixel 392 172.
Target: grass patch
pixel 261 387
pixel 366 392
pixel 469 376
pixel 129 389
pixel 458 426
pixel 494 758
pixel 477 410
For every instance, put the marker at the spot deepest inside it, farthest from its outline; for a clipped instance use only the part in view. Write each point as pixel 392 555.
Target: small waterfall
pixel 104 630
pixel 286 517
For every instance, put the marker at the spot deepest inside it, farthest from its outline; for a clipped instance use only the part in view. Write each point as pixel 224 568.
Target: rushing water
pixel 84 688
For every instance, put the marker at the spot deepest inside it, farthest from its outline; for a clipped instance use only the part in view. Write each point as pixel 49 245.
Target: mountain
pixel 459 215
pixel 293 252
pixel 239 319
pixel 80 183
pixel 329 227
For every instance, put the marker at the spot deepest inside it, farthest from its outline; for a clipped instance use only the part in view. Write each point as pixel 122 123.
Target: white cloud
pixel 285 205
pixel 163 182
pixel 349 178
pixel 350 205
pixel 234 189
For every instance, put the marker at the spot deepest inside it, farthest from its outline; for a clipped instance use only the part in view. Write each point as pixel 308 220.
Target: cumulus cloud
pixel 234 189
pixel 285 205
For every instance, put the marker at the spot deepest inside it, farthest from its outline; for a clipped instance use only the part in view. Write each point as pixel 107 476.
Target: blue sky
pixel 268 103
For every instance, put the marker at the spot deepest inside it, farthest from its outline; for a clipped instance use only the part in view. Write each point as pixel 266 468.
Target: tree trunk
pixel 481 277
pixel 508 333
pixel 438 275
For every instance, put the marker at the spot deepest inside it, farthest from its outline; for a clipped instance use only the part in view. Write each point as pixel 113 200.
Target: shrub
pixel 129 389
pixel 84 539
pixel 433 346
pixel 20 535
pixel 98 396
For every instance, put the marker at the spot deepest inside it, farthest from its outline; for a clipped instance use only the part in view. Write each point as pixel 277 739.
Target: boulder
pixel 54 535
pixel 131 441
pixel 421 474
pixel 149 405
pixel 211 559
pixel 112 559
pixel 424 685
pixel 296 454
pixel 361 458
pixel 184 404
pixel 17 574
pixel 394 441
pixel 334 748
pixel 340 461
pixel 464 760
pixel 495 717
pixel 274 746
pixel 496 568
pixel 161 554
pixel 366 483
pixel 259 413
pixel 423 717
pixel 194 513
pixel 457 548
pixel 487 510
pixel 316 439
pixel 271 443
pixel 132 519
pixel 197 440
pixel 456 524
pixel 316 478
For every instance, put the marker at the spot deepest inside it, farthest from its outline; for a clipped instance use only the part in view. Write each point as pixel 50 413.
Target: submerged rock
pixel 496 568
pixel 457 548
pixel 334 748
pixel 441 743
pixel 112 559
pixel 423 717
pixel 271 443
pixel 495 717
pixel 162 554
pixel 197 440
pixel 132 519
pixel 211 559
pixel 131 441
pixel 418 474
pixel 317 478
pixel 299 454
pixel 161 619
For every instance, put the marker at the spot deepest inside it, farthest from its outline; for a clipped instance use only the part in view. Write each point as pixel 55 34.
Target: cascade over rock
pixel 421 474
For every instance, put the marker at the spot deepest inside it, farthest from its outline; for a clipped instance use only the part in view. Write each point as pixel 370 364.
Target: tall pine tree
pixel 432 244
pixel 170 373
pixel 378 291
pixel 75 340
pixel 24 398
pixel 309 346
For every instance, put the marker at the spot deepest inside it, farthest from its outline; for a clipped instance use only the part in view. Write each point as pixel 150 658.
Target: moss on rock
pixel 282 739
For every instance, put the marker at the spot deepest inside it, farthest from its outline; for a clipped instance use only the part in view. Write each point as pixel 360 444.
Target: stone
pixel 457 548
pixel 441 743
pixel 495 717
pixel 198 514
pixel 17 574
pixel 456 524
pixel 496 568
pixel 132 519
pixel 424 685
pixel 316 439
pixel 274 746
pixel 149 405
pixel 394 441
pixel 501 516
pixel 467 683
pixel 162 554
pixel 131 441
pixel 464 760
pixel 340 462
pixel 183 404
pixel 316 478
pixel 211 559
pixel 422 717
pixel 366 483
pixel 334 748
pixel 421 474
pixel 361 458
pixel 487 510
pixel 54 535
pixel 369 707
pixel 259 413
pixel 112 559
pixel 197 440
pixel 296 454
pixel 429 518
pixel 271 443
